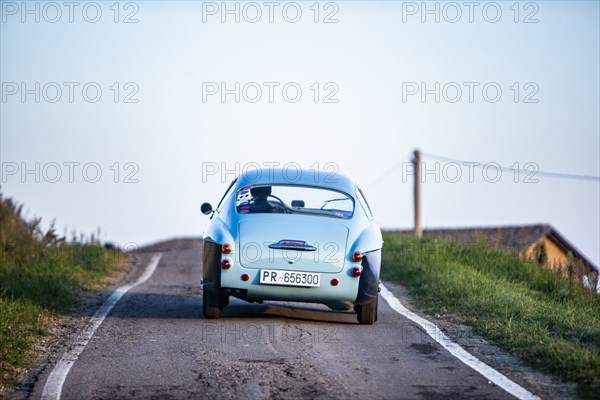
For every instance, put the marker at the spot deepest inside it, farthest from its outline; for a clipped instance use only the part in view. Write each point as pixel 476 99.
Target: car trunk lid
pixel 311 244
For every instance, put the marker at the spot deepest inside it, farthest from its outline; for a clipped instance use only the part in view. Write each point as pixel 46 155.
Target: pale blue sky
pixel 368 54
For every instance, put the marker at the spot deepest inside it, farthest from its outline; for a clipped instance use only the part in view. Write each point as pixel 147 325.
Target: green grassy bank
pixel 547 320
pixel 42 277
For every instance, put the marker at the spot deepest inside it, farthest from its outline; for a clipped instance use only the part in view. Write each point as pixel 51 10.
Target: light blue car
pixel 305 236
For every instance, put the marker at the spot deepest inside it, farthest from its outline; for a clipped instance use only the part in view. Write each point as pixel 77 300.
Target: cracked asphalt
pixel 155 343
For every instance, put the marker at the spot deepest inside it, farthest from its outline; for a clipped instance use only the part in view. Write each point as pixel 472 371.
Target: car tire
pixel 224 299
pixel 211 307
pixel 367 313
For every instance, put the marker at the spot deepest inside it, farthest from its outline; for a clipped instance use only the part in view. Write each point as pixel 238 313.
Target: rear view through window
pixel 293 199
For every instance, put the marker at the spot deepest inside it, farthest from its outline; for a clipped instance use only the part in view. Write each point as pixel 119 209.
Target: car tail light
pixel 245 277
pixel 334 282
pixel 225 264
pixel 226 248
pixel 357 256
pixel 355 272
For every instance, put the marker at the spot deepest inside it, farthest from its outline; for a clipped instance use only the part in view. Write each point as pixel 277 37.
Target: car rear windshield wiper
pixel 331 200
pixel 325 213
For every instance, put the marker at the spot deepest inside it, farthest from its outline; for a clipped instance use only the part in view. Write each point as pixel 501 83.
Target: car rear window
pixel 294 199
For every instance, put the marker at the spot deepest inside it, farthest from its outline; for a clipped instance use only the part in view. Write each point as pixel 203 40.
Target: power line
pixel 535 172
pixel 387 173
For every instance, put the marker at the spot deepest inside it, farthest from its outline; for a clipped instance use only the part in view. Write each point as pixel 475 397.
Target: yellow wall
pixel 558 261
pixel 556 257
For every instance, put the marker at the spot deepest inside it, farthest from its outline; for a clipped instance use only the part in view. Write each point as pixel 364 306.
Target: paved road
pixel 156 344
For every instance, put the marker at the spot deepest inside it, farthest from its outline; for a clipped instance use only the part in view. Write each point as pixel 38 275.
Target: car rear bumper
pixel 349 290
pixel 344 292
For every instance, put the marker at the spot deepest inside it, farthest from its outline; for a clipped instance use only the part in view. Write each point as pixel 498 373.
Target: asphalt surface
pixel 155 343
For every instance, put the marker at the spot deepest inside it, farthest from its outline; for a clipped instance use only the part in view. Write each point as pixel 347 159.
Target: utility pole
pixel 417 164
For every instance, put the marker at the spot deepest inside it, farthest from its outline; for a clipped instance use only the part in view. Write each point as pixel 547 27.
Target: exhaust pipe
pixel 227 292
pixel 236 293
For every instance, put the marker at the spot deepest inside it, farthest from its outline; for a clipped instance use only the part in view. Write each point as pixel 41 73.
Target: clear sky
pixel 489 82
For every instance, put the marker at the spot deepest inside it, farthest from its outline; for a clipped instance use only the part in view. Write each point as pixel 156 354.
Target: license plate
pixel 289 278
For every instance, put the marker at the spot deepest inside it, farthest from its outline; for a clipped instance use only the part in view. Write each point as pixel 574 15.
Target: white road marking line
pixel 53 387
pixel 457 351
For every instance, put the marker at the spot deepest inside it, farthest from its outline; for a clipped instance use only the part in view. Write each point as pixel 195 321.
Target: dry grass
pixel 41 277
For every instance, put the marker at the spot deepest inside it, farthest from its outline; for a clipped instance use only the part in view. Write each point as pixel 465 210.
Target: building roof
pixel 515 239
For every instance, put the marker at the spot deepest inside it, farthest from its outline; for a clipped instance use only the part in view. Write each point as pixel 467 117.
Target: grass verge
pixel 533 313
pixel 41 278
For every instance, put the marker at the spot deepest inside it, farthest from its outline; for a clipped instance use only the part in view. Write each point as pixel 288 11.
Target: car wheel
pixel 210 306
pixel 367 313
pixel 224 300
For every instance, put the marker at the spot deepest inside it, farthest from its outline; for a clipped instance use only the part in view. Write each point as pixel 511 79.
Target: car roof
pixel 296 176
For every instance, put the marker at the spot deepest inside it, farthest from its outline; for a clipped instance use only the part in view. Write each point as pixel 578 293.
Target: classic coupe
pixel 300 236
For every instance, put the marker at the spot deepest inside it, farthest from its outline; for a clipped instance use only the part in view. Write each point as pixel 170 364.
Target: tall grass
pixel 41 277
pixel 530 311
